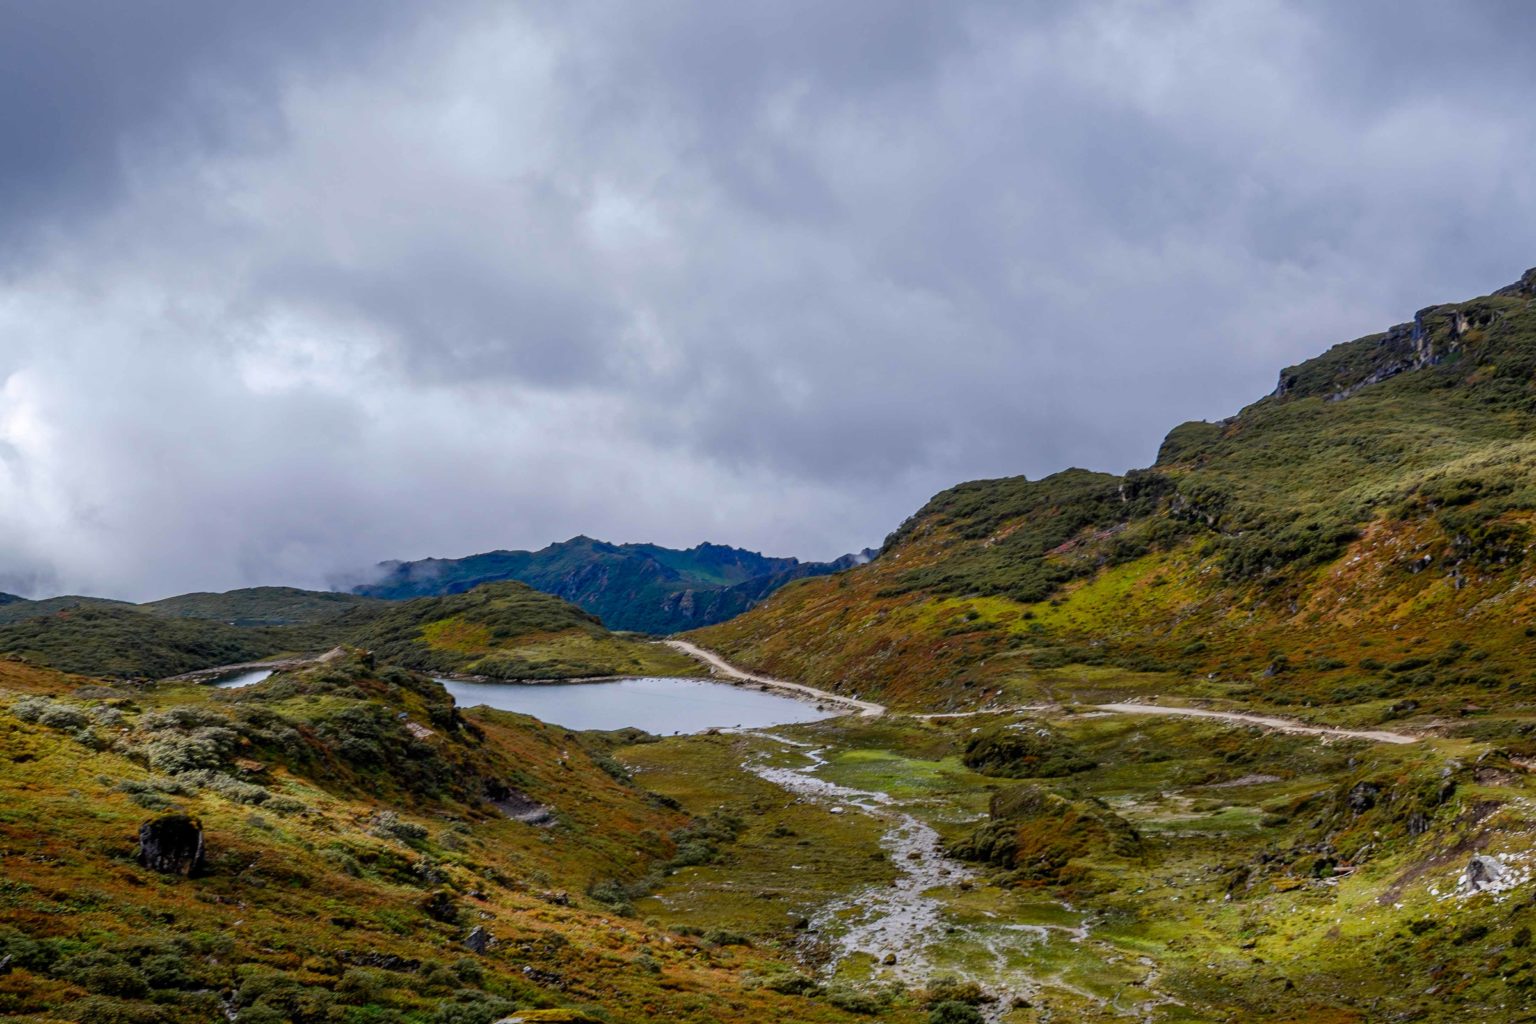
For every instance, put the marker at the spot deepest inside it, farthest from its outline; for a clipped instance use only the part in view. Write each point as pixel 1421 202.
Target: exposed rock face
pixel 518 805
pixel 172 845
pixel 1483 872
pixel 1525 288
pixel 1435 334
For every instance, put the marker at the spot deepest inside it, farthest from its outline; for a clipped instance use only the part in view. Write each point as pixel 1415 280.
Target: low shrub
pixel 389 825
pixel 854 999
pixel 103 973
pixel 1023 750
pixel 227 786
pixel 951 1012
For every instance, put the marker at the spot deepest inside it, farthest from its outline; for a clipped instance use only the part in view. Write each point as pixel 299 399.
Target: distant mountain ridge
pixel 251 606
pixel 503 631
pixel 646 588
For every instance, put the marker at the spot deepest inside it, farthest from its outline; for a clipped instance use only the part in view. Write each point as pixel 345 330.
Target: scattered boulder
pixel 440 906
pixel 1483 872
pixel 479 940
pixel 517 805
pixel 1363 797
pixel 172 844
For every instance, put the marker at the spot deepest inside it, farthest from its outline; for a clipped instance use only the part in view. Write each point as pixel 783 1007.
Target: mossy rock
pixel 1023 750
pixel 1036 835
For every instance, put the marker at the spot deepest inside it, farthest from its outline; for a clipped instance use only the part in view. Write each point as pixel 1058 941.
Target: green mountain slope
pixel 1354 550
pixel 252 606
pixel 508 631
pixel 641 587
pixel 19 608
pixel 1374 511
pixel 502 631
pixel 127 642
pixel 259 606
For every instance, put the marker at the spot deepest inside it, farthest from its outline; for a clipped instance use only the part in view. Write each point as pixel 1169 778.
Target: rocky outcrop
pixel 1525 288
pixel 1482 872
pixel 479 940
pixel 518 805
pixel 172 845
pixel 1363 796
pixel 1433 336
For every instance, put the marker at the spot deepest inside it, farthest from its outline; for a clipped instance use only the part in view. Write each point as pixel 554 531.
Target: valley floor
pixel 1264 868
pixel 1080 854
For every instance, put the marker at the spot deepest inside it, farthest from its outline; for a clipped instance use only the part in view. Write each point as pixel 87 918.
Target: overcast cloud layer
pixel 288 288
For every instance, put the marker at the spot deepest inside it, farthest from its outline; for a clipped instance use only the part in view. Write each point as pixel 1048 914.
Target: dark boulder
pixel 1363 797
pixel 172 844
pixel 440 906
pixel 478 940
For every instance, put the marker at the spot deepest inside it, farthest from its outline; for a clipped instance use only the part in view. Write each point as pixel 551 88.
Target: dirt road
pixel 720 667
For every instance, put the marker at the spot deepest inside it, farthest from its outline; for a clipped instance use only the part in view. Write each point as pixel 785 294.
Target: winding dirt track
pixel 1280 724
pixel 720 667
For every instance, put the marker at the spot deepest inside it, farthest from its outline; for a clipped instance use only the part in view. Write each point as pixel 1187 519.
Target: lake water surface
pixel 246 677
pixel 660 706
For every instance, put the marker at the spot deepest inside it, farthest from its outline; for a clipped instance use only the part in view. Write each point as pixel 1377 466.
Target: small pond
pixel 244 677
pixel 659 706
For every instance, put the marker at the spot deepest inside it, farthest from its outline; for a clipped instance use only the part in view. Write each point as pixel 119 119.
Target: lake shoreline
pixel 659 705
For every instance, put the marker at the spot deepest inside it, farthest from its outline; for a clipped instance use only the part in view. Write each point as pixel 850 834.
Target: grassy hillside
pixel 502 631
pixel 641 587
pixel 510 631
pixel 357 830
pixel 260 606
pixel 1357 539
pixel 18 608
pixel 126 642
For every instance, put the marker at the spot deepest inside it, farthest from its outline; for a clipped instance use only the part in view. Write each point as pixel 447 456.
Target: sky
pixel 289 288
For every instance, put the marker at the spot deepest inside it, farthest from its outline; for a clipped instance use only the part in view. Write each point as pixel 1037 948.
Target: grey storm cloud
pixel 288 288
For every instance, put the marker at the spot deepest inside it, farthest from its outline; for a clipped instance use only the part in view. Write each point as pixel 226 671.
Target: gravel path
pixel 720 667
pixel 1280 724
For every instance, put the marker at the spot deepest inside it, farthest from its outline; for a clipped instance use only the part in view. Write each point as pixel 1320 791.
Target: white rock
pixel 1483 872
